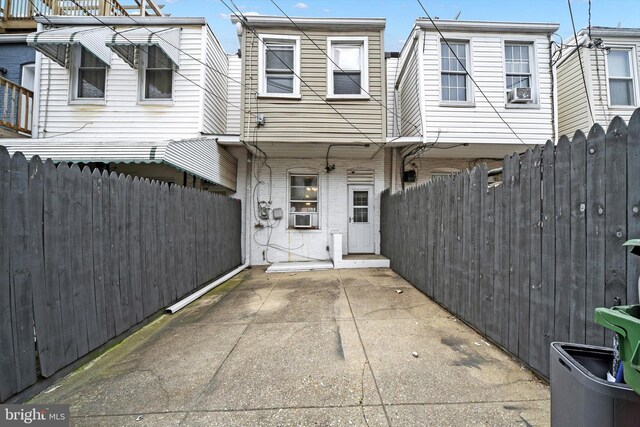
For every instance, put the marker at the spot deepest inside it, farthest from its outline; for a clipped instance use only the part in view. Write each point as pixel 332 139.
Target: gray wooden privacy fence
pixel 527 261
pixel 85 256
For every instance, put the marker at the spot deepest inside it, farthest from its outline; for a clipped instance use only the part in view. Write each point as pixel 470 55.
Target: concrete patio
pixel 323 348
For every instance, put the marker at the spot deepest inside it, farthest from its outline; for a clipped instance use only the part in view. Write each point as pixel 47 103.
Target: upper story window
pixel 621 79
pixel 454 79
pixel 348 68
pixel 89 76
pixel 156 74
pixel 519 78
pixel 279 64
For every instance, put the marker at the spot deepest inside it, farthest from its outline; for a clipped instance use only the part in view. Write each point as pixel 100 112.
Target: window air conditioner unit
pixel 519 95
pixel 302 221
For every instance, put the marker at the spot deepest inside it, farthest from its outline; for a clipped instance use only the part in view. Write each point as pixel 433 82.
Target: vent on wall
pixel 360 176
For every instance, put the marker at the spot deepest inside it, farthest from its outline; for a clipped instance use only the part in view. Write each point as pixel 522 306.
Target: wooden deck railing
pixel 18 14
pixel 16 106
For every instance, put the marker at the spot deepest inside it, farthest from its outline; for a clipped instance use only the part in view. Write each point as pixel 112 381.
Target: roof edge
pixel 119 20
pixel 489 26
pixel 13 38
pixel 612 32
pixel 262 21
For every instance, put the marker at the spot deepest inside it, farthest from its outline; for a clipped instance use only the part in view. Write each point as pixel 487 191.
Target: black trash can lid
pixel 635 246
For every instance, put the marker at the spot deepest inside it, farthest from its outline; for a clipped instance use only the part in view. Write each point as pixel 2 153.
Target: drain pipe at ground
pixel 194 296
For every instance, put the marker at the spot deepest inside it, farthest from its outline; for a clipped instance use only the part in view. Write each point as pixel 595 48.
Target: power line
pixel 245 20
pixel 468 74
pixel 215 95
pixel 185 52
pixel 584 79
pixel 324 52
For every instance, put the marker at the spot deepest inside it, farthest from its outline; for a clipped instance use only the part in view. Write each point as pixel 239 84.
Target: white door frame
pixel 354 242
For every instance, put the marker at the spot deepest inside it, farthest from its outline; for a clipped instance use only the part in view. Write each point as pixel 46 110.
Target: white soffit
pixel 126 43
pixel 56 44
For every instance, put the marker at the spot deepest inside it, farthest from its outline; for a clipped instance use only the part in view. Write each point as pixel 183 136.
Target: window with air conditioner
pixel 347 67
pixel 303 201
pixel 519 78
pixel 279 66
pixel 622 85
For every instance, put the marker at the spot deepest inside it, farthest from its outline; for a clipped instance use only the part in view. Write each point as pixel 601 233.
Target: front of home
pixel 313 131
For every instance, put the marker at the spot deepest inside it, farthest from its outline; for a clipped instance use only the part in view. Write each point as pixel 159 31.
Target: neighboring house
pixel 611 63
pixel 144 96
pixel 438 105
pixel 313 129
pixel 17 59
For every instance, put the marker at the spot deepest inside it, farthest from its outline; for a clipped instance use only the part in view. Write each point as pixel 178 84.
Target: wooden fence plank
pixel 134 239
pixel 8 371
pixel 563 239
pixel 475 300
pixel 116 219
pixel 501 282
pixel 169 255
pixel 70 343
pixel 99 239
pixel 615 215
pixel 76 282
pixel 487 264
pixel 465 310
pixel 514 253
pixel 595 274
pixel 36 254
pixel 535 271
pixel 111 266
pixel 21 287
pixel 456 263
pixel 633 204
pixel 578 243
pixel 86 250
pixel 525 229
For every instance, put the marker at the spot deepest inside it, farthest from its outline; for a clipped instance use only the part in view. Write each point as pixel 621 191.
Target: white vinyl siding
pixel 409 94
pixel 215 108
pixel 480 123
pixel 573 111
pixel 122 116
pixel 310 119
pixel 234 94
pixel 393 104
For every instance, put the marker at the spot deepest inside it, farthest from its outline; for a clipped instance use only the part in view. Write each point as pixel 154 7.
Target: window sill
pixel 623 107
pixel 347 97
pixel 523 106
pixel 89 102
pixel 293 96
pixel 165 103
pixel 460 104
pixel 305 229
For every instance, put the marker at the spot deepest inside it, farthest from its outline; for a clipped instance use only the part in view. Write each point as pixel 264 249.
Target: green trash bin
pixel 625 321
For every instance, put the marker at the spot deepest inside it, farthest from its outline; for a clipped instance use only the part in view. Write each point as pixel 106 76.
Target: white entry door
pixel 360 238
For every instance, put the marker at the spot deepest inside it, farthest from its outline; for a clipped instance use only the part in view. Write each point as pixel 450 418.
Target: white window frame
pixel 631 52
pixel 262 61
pixel 533 69
pixel 470 101
pixel 290 225
pixel 142 81
pixel 76 55
pixel 364 66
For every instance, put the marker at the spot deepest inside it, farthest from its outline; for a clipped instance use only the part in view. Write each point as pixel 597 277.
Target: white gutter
pixel 194 296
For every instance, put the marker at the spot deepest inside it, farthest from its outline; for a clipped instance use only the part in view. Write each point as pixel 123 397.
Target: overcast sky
pixel 401 14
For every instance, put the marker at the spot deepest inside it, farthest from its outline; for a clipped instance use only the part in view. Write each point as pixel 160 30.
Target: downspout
pixel 554 93
pixel 35 115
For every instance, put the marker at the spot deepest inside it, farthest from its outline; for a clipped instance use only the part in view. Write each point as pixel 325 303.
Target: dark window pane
pixel 279 58
pixel 158 84
pixel 87 59
pixel 279 84
pixel 305 181
pixel 360 198
pixel 301 193
pixel 360 215
pixel 518 81
pixel 91 83
pixel 346 83
pixel 156 58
